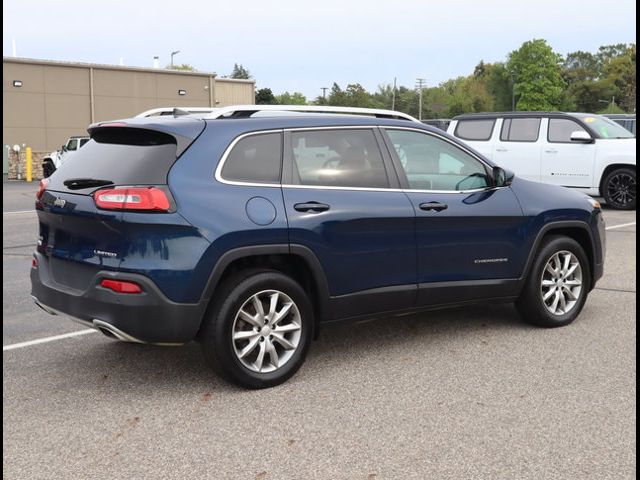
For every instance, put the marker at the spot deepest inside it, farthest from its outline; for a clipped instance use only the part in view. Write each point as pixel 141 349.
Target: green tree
pixel 337 97
pixel 620 75
pixel 295 98
pixel 467 95
pixel 184 67
pixel 265 96
pixel 497 81
pixel 240 72
pixel 537 68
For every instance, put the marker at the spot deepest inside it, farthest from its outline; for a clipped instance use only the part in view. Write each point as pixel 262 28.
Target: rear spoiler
pixel 183 129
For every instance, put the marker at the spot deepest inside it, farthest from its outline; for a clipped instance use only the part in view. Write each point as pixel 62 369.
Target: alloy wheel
pixel 561 283
pixel 621 189
pixel 266 331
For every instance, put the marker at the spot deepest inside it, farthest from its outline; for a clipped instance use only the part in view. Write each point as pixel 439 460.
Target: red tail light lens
pixel 119 286
pixel 41 188
pixel 133 198
pixel 34 262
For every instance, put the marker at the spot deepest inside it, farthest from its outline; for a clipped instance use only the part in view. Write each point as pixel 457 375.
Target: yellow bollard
pixel 29 165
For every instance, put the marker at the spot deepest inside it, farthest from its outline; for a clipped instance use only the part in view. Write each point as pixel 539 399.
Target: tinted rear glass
pixel 112 156
pixel 255 159
pixel 474 129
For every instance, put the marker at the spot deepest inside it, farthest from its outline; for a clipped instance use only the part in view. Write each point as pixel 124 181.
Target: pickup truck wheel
pixel 619 189
pixel 48 168
pixel 558 283
pixel 258 330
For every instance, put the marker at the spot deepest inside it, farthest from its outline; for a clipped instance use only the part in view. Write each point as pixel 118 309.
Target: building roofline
pixel 53 63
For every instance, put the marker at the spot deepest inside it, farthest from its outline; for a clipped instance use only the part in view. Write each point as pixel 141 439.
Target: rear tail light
pixel 41 188
pixel 34 262
pixel 132 198
pixel 120 286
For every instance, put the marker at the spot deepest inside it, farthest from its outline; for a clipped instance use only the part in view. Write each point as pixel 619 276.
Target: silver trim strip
pixel 225 155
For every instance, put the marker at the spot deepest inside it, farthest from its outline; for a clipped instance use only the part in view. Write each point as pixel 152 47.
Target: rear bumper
pixel 148 317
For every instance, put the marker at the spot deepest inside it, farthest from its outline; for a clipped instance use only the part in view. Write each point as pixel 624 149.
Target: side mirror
pixel 581 136
pixel 502 177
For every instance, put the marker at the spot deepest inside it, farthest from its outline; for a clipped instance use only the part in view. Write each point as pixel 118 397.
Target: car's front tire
pixel 258 329
pixel 619 189
pixel 558 283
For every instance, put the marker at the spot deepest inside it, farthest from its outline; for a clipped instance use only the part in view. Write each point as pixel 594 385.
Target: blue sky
pixel 302 46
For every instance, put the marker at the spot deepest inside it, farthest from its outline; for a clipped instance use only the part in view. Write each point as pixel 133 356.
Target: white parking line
pixel 13 346
pixel 19 212
pixel 613 227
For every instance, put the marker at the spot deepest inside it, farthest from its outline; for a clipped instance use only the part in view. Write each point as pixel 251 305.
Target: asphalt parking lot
pixel 465 393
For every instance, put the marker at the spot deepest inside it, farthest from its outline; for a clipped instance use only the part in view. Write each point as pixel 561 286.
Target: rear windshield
pixel 122 156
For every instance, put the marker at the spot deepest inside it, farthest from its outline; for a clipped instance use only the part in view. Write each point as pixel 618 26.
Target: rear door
pixel 469 236
pixel 343 202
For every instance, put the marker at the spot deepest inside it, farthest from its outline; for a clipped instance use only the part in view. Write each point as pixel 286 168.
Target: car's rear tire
pixel 619 189
pixel 558 283
pixel 258 329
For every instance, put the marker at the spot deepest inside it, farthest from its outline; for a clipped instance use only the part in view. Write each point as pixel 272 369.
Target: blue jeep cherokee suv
pixel 248 233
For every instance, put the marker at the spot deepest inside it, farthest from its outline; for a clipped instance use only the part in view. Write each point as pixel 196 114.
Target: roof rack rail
pixel 245 111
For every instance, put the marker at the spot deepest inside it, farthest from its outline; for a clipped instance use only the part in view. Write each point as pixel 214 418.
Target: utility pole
pixel 324 94
pixel 393 96
pixel 420 83
pixel 513 92
pixel 172 54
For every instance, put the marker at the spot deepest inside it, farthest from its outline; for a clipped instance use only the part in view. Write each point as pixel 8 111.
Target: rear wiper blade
pixel 80 183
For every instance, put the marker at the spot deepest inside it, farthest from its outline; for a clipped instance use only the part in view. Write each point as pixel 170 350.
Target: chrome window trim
pixel 223 159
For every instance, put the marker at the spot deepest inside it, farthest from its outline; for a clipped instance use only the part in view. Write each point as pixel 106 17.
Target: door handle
pixel 311 207
pixel 551 150
pixel 437 206
pixel 501 150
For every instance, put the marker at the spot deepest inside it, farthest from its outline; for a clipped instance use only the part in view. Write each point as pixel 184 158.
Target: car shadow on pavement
pixel 113 367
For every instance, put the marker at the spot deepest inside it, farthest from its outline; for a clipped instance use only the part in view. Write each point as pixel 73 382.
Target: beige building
pixel 46 102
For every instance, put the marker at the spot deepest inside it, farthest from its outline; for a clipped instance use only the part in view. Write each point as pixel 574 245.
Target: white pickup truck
pixel 52 162
pixel 587 152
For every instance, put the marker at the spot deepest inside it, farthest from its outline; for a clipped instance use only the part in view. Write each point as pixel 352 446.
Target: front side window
pixel 520 130
pixel 338 158
pixel 72 144
pixel 479 130
pixel 560 130
pixel 431 163
pixel 255 159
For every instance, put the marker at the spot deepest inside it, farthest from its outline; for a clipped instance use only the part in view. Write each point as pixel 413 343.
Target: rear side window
pixel 560 130
pixel 474 129
pixel 123 156
pixel 255 159
pixel 338 158
pixel 520 130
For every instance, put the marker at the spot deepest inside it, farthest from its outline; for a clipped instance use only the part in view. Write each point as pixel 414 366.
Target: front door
pixel 341 205
pixel 564 162
pixel 469 235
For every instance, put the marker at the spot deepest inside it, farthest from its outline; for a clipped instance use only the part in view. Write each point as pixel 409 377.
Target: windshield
pixel 605 128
